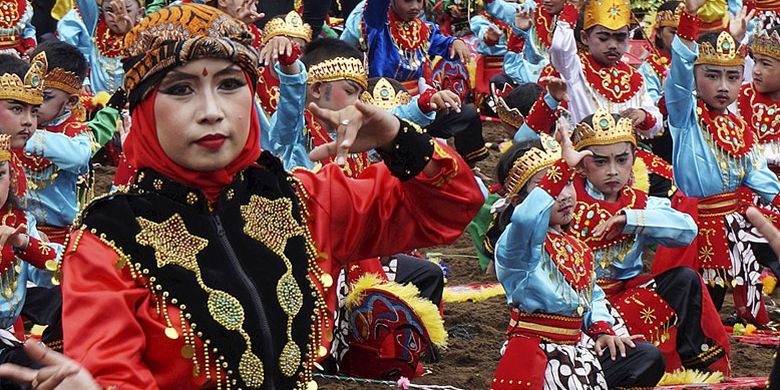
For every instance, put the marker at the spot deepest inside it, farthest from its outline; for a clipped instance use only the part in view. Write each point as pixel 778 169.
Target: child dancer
pixel 716 162
pixel 17 33
pixel 550 283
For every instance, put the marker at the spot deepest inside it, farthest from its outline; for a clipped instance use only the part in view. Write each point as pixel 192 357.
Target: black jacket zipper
pixel 269 368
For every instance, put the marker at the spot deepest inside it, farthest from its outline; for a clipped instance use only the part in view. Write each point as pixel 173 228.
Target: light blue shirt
pixel 525 66
pixel 698 171
pixel 522 267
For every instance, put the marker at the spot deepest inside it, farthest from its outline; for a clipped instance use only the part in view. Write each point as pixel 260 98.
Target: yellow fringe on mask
pixel 689 377
pixel 456 295
pixel 641 176
pixel 425 309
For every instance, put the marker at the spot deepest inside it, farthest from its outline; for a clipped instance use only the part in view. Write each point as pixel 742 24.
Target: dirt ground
pixel 476 330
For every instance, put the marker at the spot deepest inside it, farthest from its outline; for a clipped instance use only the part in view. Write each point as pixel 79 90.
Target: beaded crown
pixel 767 45
pixel 64 80
pixel 605 131
pixel 532 162
pixel 5 147
pixel 339 68
pixel 291 25
pixel 725 53
pixel 669 18
pixel 612 14
pixel 385 96
pixel 29 90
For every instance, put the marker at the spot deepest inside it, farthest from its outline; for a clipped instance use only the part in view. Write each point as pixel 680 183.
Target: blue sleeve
pixel 659 223
pixel 29 30
pixel 762 180
pixel 286 128
pixel 70 154
pixel 519 249
pixel 411 112
pixel 71 29
pixel 89 11
pixel 479 25
pixel 653 83
pixel 679 86
pixel 502 10
pixel 598 309
pixel 375 13
pixel 352 26
pixel 440 43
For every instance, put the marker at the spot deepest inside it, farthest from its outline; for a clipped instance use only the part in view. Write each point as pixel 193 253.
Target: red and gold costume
pixel 760 112
pixel 175 276
pixel 16 30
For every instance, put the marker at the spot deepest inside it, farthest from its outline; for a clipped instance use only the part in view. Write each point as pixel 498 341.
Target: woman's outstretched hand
pixel 359 127
pixel 59 372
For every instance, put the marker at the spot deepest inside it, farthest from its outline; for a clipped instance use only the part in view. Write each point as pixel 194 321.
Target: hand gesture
pixel 636 115
pixel 59 372
pixel 556 87
pixel 247 12
pixel 692 6
pixel 493 34
pixel 563 136
pixel 14 236
pixel 768 230
pixel 454 11
pixel 461 50
pixel 445 100
pixel 523 18
pixel 278 45
pixel 121 18
pixel 612 227
pixel 359 128
pixel 738 25
pixel 615 344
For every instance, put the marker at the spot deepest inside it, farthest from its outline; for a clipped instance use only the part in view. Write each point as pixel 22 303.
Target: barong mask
pixel 178 34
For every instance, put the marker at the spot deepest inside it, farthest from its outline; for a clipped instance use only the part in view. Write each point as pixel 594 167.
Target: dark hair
pixel 667 6
pixel 395 83
pixel 328 48
pixel 13 65
pixel 711 38
pixel 523 97
pixel 63 55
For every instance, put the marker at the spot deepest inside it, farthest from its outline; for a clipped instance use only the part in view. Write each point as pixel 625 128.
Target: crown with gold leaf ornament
pixel 725 53
pixel 5 147
pixel 605 131
pixel 339 68
pixel 532 162
pixel 29 90
pixel 385 96
pixel 669 18
pixel 63 80
pixel 292 25
pixel 511 116
pixel 612 14
pixel 767 45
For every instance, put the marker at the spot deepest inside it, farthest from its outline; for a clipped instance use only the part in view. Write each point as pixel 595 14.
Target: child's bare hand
pixel 563 136
pixel 248 14
pixel 612 227
pixel 556 87
pixel 461 50
pixel 121 18
pixel 445 100
pixel 14 236
pixel 274 48
pixel 523 18
pixel 493 34
pixel 692 6
pixel 738 25
pixel 615 344
pixel 636 115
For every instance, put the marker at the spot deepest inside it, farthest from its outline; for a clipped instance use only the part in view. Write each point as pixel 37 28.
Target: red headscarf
pixel 143 150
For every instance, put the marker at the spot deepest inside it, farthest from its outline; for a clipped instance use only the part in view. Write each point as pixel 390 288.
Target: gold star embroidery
pixel 554 174
pixel 648 315
pixel 171 241
pixel 270 222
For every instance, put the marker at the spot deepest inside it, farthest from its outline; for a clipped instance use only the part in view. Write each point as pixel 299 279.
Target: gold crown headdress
pixel 605 131
pixel 725 53
pixel 385 96
pixel 767 45
pixel 339 68
pixel 612 14
pixel 64 80
pixel 532 162
pixel 291 25
pixel 29 90
pixel 5 147
pixel 511 116
pixel 669 18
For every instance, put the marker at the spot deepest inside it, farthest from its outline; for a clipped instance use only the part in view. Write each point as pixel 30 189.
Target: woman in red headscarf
pixel 213 269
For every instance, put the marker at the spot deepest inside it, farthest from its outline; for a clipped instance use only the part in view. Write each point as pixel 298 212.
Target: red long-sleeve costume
pixel 112 327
